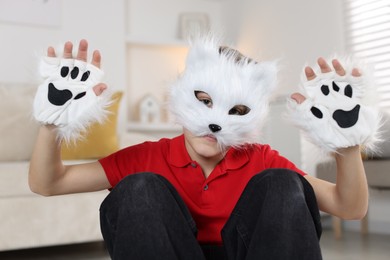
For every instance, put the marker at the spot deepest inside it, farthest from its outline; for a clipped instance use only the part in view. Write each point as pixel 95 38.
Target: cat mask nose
pixel 215 128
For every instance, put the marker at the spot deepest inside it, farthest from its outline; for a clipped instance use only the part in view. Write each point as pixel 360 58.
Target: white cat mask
pixel 239 91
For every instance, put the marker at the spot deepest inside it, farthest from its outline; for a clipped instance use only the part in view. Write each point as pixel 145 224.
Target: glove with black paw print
pixel 66 97
pixel 333 115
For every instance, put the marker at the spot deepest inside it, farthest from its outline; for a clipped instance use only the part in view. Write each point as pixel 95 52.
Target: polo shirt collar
pixel 179 157
pixel 236 158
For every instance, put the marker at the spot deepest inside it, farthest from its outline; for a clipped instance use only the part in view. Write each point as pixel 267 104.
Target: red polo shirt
pixel 210 200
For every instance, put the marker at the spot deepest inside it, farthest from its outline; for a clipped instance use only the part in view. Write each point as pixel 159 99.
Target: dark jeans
pixel 276 217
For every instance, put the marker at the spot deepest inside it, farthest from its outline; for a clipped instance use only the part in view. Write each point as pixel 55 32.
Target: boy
pixel 211 193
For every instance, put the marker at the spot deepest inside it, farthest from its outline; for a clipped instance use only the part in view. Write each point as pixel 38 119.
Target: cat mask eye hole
pixel 204 98
pixel 239 110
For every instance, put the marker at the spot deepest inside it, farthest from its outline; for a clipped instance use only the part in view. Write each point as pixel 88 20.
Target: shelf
pixel 160 56
pixel 152 127
pixel 158 130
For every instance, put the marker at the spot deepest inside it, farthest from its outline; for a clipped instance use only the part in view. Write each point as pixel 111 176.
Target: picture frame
pixel 193 22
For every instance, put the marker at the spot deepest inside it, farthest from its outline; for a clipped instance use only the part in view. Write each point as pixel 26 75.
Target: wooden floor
pixel 352 246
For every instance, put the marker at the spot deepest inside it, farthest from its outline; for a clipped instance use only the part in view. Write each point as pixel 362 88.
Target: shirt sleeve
pixel 127 161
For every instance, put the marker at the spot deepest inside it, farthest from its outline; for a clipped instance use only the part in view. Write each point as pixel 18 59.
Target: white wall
pixel 100 22
pixel 296 32
pixel 160 20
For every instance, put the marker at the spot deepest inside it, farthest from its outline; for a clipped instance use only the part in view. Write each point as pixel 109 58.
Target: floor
pixel 352 246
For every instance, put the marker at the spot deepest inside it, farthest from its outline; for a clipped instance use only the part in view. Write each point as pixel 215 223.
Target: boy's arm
pixel 348 198
pixel 47 174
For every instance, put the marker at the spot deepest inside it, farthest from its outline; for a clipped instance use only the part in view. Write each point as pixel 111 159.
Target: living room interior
pixel 143 45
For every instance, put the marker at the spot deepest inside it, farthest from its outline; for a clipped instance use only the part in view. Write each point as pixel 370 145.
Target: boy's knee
pixel 280 180
pixel 138 182
pixel 277 174
pixel 134 186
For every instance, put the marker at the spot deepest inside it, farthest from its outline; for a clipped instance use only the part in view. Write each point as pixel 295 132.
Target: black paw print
pixel 60 97
pixel 344 119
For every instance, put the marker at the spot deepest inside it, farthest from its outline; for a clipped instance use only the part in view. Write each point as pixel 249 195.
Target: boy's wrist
pixel 348 151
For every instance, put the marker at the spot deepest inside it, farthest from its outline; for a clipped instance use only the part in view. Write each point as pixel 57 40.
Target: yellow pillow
pixel 100 140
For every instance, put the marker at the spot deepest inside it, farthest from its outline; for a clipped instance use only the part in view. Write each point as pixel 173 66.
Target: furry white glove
pixel 66 98
pixel 334 115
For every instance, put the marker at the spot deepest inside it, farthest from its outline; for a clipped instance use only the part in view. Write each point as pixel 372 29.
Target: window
pixel 368 37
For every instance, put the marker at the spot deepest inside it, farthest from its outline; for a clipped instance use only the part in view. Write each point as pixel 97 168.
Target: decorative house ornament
pixel 150 110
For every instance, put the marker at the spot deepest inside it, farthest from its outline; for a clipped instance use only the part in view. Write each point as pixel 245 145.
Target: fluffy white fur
pixel 325 132
pixel 76 115
pixel 228 83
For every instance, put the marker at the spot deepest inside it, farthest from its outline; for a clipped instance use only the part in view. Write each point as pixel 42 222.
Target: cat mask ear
pixel 201 53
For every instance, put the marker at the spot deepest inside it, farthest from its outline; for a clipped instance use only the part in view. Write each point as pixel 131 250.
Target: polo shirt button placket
pixel 193 164
pixel 206 187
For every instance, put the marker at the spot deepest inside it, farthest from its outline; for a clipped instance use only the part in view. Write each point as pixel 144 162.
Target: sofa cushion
pixel 28 222
pixel 100 140
pixel 376 171
pixel 14 178
pixel 18 129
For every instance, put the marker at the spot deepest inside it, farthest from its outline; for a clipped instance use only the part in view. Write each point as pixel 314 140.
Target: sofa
pixel 29 220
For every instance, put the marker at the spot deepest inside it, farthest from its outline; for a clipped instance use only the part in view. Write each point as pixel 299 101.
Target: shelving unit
pixel 155 55
pixel 152 64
